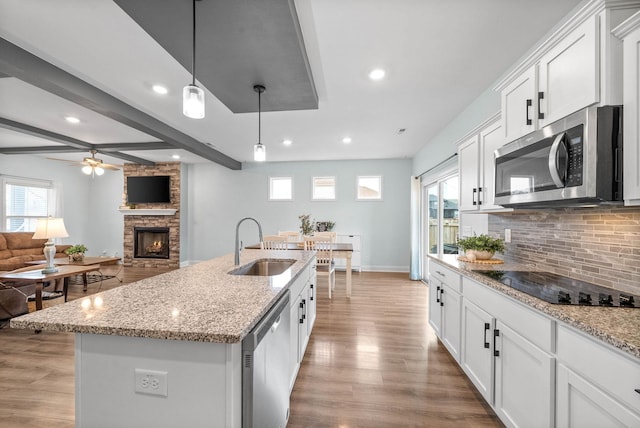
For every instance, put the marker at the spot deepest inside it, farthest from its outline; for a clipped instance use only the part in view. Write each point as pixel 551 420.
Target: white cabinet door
pixel 294 347
pixel 468 161
pixel 491 138
pixel 518 109
pixel 451 304
pixel 476 357
pixel 569 77
pixel 435 310
pixel 303 322
pixel 582 405
pixel 524 381
pixel 631 120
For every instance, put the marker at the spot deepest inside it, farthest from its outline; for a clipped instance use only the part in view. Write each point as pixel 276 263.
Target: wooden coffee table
pixel 39 278
pixel 87 261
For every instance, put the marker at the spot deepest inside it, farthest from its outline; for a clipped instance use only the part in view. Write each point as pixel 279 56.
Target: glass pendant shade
pixel 87 169
pixel 99 170
pixel 193 102
pixel 259 153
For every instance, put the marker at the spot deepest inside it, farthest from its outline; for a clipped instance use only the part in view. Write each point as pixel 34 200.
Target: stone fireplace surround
pixel 172 222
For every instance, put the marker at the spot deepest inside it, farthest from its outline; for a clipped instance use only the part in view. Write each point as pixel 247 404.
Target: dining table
pixel 340 251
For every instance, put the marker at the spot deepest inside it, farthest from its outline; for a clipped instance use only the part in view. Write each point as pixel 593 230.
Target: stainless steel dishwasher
pixel 265 369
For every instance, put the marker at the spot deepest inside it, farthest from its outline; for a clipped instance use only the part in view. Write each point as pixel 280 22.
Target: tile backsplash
pixel 597 245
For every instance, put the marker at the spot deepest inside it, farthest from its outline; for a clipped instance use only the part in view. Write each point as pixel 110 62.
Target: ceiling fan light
pixel 98 170
pixel 87 169
pixel 193 102
pixel 259 153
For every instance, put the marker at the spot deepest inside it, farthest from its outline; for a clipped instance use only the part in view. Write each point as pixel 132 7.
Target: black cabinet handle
pixel 474 196
pixel 441 293
pixel 540 97
pixel 438 294
pixel 311 288
pixel 304 309
pixel 529 104
pixel 479 195
pixel 440 273
pixel 637 390
pixel 302 315
pixel 487 327
pixel 496 333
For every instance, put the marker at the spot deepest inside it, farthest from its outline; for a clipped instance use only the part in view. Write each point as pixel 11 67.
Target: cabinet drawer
pixel 527 322
pixel 616 374
pixel 446 276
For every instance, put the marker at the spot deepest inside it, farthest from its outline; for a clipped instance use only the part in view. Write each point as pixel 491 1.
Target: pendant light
pixel 192 95
pixel 259 150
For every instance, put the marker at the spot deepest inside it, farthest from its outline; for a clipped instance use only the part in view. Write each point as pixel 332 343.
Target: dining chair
pixel 325 265
pixel 291 235
pixel 333 236
pixel 274 242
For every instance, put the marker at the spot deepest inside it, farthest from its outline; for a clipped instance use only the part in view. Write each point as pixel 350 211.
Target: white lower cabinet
pixel 476 358
pixel 583 405
pixel 524 381
pixel 303 314
pixel 597 386
pixel 445 304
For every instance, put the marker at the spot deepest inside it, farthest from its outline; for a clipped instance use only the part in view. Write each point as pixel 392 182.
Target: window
pixel 370 188
pixel 324 188
pixel 280 188
pixel 25 201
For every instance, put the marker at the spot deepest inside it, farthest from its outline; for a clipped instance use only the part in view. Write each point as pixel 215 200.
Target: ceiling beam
pixel 59 138
pixel 39 150
pixel 155 145
pixel 29 68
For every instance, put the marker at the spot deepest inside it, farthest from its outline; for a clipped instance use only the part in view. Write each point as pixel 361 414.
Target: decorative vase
pixel 76 257
pixel 478 255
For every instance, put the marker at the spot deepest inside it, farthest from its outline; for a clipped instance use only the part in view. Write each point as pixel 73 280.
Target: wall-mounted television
pixel 150 189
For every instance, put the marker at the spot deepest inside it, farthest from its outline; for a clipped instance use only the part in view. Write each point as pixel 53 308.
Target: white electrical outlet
pixel 507 235
pixel 151 382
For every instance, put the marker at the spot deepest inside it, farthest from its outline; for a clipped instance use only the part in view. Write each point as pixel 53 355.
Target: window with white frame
pixel 369 187
pixel 25 201
pixel 280 188
pixel 323 188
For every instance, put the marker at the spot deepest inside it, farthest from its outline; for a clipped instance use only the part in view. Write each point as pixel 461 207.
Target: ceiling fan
pixel 92 165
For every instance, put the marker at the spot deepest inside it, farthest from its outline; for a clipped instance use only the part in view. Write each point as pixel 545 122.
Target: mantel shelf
pixel 154 211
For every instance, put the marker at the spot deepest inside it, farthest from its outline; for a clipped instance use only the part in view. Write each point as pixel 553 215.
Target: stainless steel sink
pixel 264 267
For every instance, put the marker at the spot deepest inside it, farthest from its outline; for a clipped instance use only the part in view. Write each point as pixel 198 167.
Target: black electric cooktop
pixel 561 290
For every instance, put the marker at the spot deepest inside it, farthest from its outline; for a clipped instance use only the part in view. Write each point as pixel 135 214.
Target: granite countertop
pixel 619 327
pixel 198 303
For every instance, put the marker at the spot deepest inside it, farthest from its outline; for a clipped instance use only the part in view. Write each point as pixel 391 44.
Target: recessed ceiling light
pixel 72 119
pixel 346 140
pixel 159 89
pixel 176 156
pixel 287 142
pixel 376 74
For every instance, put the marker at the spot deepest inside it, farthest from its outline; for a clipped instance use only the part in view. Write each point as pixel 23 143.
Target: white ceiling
pixel 439 56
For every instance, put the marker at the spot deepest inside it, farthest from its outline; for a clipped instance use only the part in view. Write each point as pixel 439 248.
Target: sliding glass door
pixel 440 217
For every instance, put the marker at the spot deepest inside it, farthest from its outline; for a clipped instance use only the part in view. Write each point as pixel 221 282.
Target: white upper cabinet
pixel 578 65
pixel 568 74
pixel 629 32
pixel 476 164
pixel 518 110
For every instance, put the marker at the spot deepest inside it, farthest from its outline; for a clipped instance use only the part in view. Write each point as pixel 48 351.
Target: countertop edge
pixel 557 312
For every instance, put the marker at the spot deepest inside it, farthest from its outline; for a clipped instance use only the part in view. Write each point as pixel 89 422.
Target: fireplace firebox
pixel 151 242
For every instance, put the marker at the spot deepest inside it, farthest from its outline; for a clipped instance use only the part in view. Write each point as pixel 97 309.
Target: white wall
pixel 75 188
pixel 219 198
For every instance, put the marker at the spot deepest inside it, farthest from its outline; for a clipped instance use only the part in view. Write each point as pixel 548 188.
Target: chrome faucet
pixel 237 251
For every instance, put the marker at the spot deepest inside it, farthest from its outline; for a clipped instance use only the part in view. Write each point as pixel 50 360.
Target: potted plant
pixel 306 225
pixel 481 247
pixel 76 252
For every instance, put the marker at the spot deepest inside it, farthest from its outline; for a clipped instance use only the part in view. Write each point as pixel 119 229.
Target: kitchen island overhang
pixel 187 323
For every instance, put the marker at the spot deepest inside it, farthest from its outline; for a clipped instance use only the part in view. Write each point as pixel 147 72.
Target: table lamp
pixel 49 228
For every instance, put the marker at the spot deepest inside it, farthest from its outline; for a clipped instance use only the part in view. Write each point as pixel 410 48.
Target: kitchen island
pixel 177 336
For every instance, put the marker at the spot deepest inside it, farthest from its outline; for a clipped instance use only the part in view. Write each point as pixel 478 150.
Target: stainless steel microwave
pixel 576 161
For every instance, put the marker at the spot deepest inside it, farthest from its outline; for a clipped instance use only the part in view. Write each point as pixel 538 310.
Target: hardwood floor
pixel 372 361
